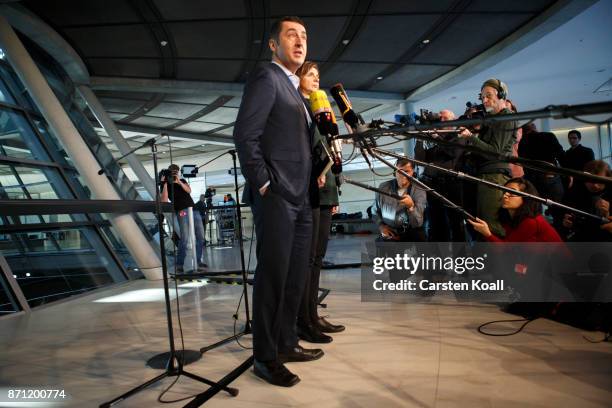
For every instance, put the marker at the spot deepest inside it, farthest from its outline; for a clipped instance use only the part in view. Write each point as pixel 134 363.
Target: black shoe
pixel 299 354
pixel 313 335
pixel 275 373
pixel 327 327
pixel 202 265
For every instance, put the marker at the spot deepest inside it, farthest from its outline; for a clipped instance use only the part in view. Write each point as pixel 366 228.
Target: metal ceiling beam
pixel 146 107
pixel 351 29
pixel 210 138
pixel 442 23
pixel 169 86
pixel 217 103
pixel 555 16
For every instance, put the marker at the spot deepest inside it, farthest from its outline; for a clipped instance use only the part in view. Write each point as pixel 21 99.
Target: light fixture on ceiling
pixel 378 78
pixel 345 42
pixel 164 43
pixel 425 41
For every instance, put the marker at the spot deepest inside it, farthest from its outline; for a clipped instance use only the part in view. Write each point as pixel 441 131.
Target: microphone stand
pixel 175 362
pixel 465 176
pixel 148 143
pixel 551 111
pixel 537 165
pixel 247 326
pixel 371 188
pixel 365 147
pixel 206 395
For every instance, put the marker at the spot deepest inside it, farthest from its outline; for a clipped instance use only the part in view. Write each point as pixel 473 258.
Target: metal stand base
pixel 215 387
pixel 246 330
pixel 160 361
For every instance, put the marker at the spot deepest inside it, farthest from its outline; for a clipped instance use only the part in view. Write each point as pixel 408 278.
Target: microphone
pixel 326 123
pixel 353 120
pixel 323 114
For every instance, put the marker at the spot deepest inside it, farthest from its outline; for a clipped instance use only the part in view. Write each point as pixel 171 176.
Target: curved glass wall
pixel 59 255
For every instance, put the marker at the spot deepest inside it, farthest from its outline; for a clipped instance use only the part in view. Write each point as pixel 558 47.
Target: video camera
pixel 169 174
pixel 474 111
pixel 424 117
pixel 209 194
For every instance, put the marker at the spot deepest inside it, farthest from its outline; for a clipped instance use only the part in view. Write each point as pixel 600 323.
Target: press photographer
pixel 497 137
pixel 400 221
pixel 176 190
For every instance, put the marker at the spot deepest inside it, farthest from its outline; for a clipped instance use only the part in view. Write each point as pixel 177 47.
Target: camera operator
pixel 445 225
pixel 176 190
pixel 496 137
pixel 400 221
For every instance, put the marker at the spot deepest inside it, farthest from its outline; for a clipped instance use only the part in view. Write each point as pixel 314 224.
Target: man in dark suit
pixel 273 135
pixel 577 155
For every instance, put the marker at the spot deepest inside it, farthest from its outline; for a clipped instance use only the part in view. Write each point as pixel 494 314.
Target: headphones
pixel 500 87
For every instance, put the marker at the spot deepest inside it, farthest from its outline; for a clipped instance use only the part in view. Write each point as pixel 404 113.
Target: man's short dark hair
pixel 577 133
pixel 276 27
pixel 174 167
pixel 404 161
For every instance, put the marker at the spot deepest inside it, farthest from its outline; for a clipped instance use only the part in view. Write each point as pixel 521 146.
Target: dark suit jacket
pixel 272 136
pixel 577 157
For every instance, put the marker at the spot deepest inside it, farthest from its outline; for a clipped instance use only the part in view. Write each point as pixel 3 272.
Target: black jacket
pixel 577 157
pixel 272 136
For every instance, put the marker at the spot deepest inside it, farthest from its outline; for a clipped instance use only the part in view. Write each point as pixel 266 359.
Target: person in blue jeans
pixel 177 191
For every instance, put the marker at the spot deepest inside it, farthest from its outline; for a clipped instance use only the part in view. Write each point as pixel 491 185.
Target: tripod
pixel 247 326
pixel 206 395
pixel 175 362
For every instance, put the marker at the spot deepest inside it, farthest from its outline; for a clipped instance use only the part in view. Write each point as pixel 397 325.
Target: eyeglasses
pixel 488 95
pixel 511 194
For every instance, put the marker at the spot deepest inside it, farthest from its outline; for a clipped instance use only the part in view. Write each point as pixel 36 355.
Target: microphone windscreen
pixel 339 94
pixel 319 102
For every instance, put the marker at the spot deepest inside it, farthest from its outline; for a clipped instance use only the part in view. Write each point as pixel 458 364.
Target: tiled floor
pixel 391 355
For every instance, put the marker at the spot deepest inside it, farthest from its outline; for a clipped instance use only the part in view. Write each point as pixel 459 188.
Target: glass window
pixel 53 141
pixel 18 89
pixel 17 139
pixel 27 182
pixel 5 94
pixel 47 218
pixel 51 265
pixel 8 304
